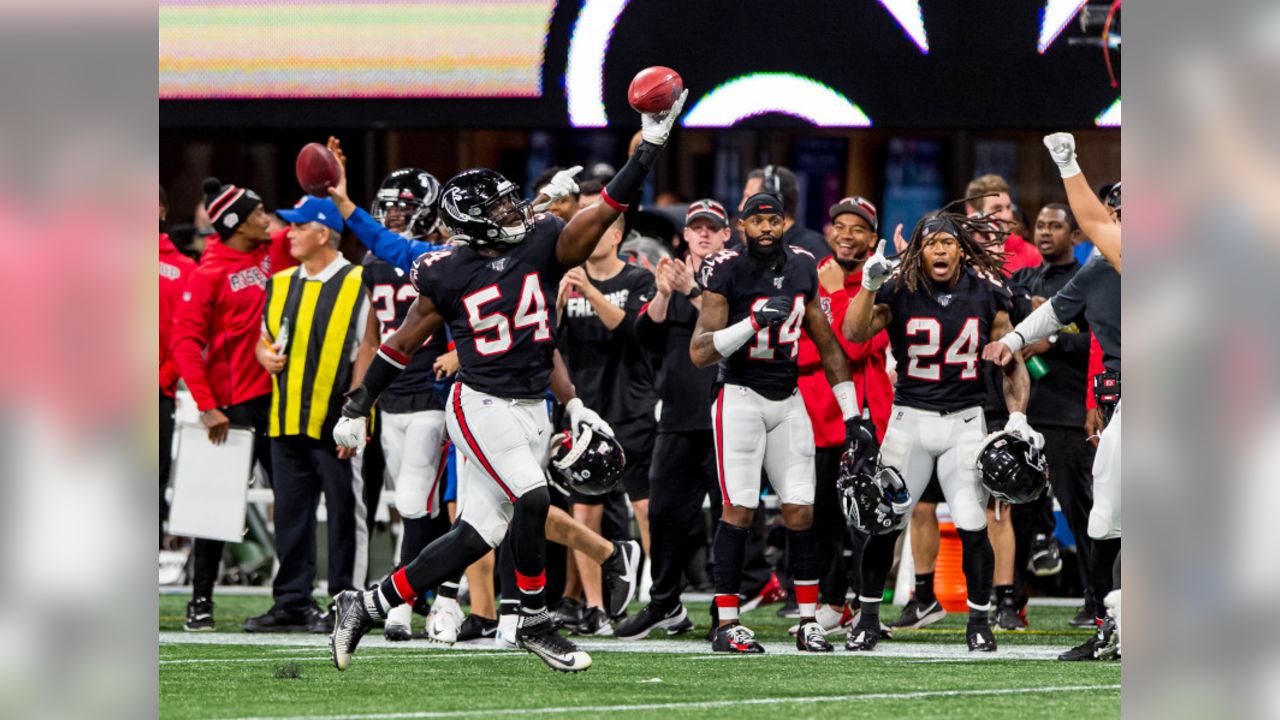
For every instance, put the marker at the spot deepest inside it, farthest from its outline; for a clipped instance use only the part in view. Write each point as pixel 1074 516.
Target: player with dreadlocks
pixel 944 301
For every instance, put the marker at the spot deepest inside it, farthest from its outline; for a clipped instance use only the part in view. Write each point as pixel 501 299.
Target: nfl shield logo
pixel 777 282
pixel 498 264
pixel 944 300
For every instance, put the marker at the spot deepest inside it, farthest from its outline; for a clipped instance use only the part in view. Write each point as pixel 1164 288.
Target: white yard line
pixel 703 705
pixel 953 651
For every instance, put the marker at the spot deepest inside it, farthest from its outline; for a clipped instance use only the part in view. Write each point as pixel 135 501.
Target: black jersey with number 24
pixel 937 338
pixel 499 309
pixel 767 363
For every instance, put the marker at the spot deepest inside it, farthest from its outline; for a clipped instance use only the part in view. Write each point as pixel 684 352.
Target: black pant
pixel 830 526
pixel 1029 519
pixel 682 475
pixel 166 457
pixel 1070 457
pixel 206 555
pixel 304 468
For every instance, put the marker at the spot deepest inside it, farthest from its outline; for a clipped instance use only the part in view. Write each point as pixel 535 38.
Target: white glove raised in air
pixel 877 269
pixel 561 185
pixel 1019 426
pixel 655 128
pixel 351 432
pixel 580 414
pixel 1062 148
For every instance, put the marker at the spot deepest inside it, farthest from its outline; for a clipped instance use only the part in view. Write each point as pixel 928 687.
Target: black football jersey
pixel 500 310
pixel 937 339
pixel 392 295
pixel 767 363
pixel 612 370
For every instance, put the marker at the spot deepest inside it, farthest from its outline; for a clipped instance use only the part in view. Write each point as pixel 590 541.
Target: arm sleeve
pixel 1037 326
pixel 390 246
pixel 191 337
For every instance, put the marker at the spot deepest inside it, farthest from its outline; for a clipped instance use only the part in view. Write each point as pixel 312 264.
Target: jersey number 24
pixel 963 350
pixel 531 311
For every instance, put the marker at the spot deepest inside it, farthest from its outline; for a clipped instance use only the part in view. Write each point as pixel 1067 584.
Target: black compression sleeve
pixel 626 185
pixel 385 368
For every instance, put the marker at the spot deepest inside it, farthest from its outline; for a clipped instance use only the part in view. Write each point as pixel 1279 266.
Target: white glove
pixel 561 185
pixel 1019 426
pixel 1062 148
pixel 656 127
pixel 580 414
pixel 351 432
pixel 877 269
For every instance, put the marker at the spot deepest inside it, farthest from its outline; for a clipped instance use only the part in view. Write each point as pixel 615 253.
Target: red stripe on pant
pixel 403 589
pixel 475 446
pixel 807 592
pixel 531 583
pixel 726 601
pixel 441 468
pixel 719 433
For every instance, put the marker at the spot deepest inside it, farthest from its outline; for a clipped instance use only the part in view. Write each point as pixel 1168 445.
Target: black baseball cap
pixel 762 204
pixel 708 209
pixel 859 206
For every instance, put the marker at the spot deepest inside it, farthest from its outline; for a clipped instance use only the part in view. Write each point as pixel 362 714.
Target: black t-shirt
pixel 808 239
pixel 767 363
pixel 1057 399
pixel 500 309
pixel 611 370
pixel 1093 295
pixel 937 339
pixel 392 295
pixel 686 390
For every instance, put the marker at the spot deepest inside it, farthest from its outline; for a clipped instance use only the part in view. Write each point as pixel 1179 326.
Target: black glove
pixel 775 310
pixel 358 403
pixel 860 438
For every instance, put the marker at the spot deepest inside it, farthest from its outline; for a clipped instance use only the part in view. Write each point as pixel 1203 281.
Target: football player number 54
pixel 492 332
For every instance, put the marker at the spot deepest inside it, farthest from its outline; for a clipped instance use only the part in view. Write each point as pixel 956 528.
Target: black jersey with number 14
pixel 937 338
pixel 499 309
pixel 767 363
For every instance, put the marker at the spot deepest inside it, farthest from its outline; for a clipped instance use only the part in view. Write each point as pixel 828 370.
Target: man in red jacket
pixel 217 326
pixel 998 206
pixel 852 240
pixel 175 271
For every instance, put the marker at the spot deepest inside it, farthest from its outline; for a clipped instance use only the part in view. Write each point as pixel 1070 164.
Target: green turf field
pixel 922 673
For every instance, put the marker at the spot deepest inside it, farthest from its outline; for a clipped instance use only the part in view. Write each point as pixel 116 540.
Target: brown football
pixel 655 89
pixel 317 169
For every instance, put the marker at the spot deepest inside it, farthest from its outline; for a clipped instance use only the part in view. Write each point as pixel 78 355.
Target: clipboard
pixel 211 484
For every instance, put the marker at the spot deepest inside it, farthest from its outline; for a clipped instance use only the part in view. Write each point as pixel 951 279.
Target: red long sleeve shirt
pixel 218 324
pixel 866 370
pixel 1019 254
pixel 175 271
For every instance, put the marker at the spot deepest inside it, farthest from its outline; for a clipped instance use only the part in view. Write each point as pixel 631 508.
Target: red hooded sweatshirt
pixel 1019 254
pixel 866 369
pixel 175 271
pixel 219 322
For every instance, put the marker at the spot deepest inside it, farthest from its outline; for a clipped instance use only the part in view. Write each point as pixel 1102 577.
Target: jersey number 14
pixel 788 333
pixel 531 311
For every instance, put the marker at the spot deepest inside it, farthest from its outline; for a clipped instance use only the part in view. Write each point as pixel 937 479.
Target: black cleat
pixel 594 623
pixel 790 609
pixel 1010 617
pixel 917 614
pixel 862 638
pixel 736 638
pixel 650 618
pixel 1046 557
pixel 980 638
pixel 279 620
pixel 351 622
pixel 475 627
pixel 1084 619
pixel 320 623
pixel 620 577
pixel 812 637
pixel 1099 646
pixel 537 634
pixel 568 613
pixel 199 615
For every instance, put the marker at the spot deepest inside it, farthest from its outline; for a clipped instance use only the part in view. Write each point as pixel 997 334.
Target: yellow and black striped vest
pixel 322 325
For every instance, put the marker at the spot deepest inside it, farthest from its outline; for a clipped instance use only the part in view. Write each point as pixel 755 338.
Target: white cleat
pixel 444 621
pixel 399 621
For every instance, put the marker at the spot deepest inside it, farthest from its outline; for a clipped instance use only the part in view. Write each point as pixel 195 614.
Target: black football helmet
pixel 411 195
pixel 1012 469
pixel 875 498
pixel 484 209
pixel 590 464
pixel 1113 199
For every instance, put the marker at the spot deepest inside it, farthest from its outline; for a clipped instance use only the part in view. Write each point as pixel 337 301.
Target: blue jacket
pixel 394 248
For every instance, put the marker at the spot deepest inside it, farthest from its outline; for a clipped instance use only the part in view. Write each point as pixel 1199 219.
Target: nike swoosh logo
pixel 570 662
pixel 971 419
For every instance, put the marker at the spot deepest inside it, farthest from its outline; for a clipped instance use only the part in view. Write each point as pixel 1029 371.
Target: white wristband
pixel 728 340
pixel 572 406
pixel 1071 169
pixel 846 398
